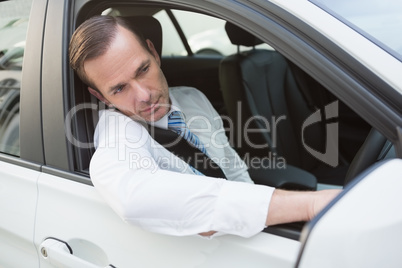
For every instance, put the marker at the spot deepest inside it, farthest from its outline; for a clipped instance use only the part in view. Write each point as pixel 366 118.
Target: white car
pixel 345 131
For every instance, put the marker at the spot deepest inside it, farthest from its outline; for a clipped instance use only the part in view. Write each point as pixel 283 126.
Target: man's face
pixel 129 78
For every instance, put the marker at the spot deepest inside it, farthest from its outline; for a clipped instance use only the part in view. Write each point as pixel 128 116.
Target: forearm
pixel 293 206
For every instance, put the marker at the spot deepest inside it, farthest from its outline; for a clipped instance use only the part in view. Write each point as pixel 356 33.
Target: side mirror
pixel 362 227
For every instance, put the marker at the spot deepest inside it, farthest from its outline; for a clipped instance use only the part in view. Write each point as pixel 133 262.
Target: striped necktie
pixel 177 124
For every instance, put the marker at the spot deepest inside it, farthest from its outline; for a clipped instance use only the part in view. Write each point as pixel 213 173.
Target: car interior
pixel 252 83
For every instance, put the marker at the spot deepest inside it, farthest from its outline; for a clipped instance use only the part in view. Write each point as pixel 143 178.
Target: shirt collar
pixel 163 122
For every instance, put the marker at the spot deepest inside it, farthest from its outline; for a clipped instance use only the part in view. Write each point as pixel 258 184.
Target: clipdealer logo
pixel 328 115
pixel 330 156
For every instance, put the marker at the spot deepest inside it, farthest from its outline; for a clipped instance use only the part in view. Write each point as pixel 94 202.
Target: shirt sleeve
pixel 168 202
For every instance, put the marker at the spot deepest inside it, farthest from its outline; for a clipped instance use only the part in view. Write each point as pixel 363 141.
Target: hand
pixel 207 233
pixel 292 206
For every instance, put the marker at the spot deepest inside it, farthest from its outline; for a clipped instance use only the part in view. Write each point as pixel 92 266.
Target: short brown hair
pixel 92 39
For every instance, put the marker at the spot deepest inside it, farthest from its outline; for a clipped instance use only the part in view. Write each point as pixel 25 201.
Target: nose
pixel 141 93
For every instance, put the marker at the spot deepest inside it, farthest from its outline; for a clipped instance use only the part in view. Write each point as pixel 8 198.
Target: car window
pixel 378 20
pixel 172 44
pixel 205 35
pixel 13 25
pixel 199 30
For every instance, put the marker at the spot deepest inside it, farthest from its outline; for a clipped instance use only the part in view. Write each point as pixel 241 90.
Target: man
pixel 144 183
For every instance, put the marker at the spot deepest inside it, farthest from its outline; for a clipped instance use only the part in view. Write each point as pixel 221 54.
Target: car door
pixel 74 227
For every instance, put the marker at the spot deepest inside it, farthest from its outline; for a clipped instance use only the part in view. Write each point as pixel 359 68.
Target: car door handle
pixel 59 253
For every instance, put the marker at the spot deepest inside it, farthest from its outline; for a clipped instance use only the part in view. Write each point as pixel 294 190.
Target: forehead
pixel 122 39
pixel 124 54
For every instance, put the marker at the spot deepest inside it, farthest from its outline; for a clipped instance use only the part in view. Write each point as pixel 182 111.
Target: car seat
pixel 258 86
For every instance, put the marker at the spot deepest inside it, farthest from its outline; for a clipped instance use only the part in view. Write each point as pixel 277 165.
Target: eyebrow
pixel 136 73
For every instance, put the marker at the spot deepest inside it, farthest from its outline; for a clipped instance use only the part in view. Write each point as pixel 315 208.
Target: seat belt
pixel 180 147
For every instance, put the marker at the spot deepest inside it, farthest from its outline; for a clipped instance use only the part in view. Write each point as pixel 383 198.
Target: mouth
pixel 152 108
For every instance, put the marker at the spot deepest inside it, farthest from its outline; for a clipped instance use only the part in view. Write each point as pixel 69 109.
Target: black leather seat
pixel 150 28
pixel 261 83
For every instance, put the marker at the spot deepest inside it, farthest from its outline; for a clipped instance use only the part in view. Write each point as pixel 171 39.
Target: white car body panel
pixel 18 193
pixel 80 215
pixel 361 230
pixel 373 57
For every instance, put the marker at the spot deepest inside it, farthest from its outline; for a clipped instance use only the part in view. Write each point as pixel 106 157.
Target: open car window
pixel 203 73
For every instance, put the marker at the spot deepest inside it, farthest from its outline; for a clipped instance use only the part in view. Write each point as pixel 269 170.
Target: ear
pixel 99 96
pixel 153 51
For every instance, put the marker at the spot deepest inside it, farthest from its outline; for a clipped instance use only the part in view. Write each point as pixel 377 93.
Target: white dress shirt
pixel 148 186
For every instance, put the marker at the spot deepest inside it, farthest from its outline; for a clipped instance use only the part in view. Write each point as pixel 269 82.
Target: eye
pixel 145 69
pixel 118 90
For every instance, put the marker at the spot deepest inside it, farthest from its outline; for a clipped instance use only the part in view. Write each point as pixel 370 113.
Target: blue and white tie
pixel 177 124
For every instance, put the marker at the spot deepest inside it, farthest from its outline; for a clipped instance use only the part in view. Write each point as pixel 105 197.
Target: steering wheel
pixel 367 154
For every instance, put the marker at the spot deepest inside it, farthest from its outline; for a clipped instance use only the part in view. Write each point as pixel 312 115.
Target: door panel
pixel 18 195
pixel 73 213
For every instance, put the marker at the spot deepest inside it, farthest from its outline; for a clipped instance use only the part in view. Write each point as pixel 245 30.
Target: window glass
pixel 378 20
pixel 13 26
pixel 172 44
pixel 205 35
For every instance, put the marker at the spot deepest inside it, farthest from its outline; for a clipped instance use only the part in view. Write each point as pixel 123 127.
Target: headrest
pixel 150 28
pixel 240 37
